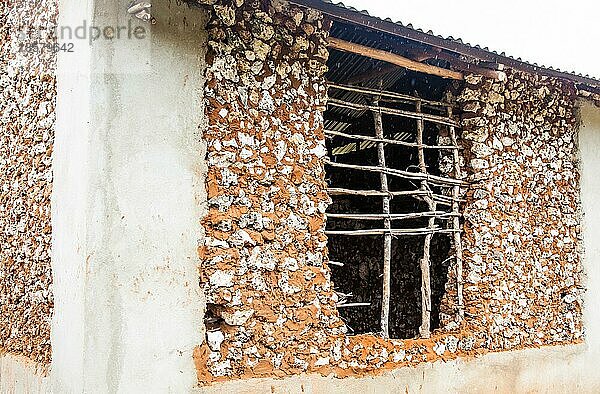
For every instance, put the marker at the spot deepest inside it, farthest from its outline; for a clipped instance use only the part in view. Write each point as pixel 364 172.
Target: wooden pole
pixel 353 304
pixel 391 216
pixel 480 69
pixel 456 225
pixel 337 191
pixel 392 111
pixel 387 224
pixel 393 231
pixel 384 95
pixel 386 140
pixel 392 58
pixel 437 180
pixel 438 198
pixel 425 329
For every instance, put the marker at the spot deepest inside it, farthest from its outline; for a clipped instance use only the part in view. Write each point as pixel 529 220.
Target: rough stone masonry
pixel 27 101
pixel 271 305
pixel 522 219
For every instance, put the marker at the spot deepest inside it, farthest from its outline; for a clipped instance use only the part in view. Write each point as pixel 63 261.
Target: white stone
pixel 439 348
pixel 479 164
pixel 320 150
pixel 221 279
pixel 398 355
pixel 238 317
pixel 266 102
pixel 214 340
pixel 452 344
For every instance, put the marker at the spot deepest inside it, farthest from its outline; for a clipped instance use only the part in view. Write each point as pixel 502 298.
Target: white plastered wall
pixel 589 147
pixel 127 202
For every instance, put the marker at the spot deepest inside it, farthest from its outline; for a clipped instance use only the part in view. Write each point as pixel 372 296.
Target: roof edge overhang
pixel 339 12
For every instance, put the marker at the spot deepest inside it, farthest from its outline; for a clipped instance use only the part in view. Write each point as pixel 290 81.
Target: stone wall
pixel 271 308
pixel 263 259
pixel 522 219
pixel 27 100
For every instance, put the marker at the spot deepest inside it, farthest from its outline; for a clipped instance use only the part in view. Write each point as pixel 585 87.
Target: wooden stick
pixel 391 216
pixel 353 304
pixel 387 141
pixel 456 226
pixel 336 191
pixel 470 68
pixel 392 58
pixel 387 224
pixel 438 198
pixel 382 94
pixel 425 329
pixel 392 111
pixel 438 180
pixel 393 231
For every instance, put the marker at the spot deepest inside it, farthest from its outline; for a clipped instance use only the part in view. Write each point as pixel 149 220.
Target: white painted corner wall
pixel 127 202
pixel 589 150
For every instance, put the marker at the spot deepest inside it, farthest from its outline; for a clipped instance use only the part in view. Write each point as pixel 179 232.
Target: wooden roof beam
pixel 487 69
pixel 378 54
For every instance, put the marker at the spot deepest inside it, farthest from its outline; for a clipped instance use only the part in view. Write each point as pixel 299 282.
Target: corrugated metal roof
pixel 352 69
pixel 347 66
pixel 456 45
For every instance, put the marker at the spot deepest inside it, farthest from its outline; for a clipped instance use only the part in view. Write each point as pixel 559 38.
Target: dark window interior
pixel 359 280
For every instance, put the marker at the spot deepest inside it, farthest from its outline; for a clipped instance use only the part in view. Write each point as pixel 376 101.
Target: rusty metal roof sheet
pixel 349 14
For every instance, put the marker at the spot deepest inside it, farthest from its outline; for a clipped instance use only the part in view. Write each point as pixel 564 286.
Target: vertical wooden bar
pixel 425 328
pixel 387 237
pixel 456 224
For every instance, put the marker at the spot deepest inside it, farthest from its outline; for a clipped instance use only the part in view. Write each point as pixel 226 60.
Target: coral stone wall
pixel 271 305
pixel 263 259
pixel 27 100
pixel 522 219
